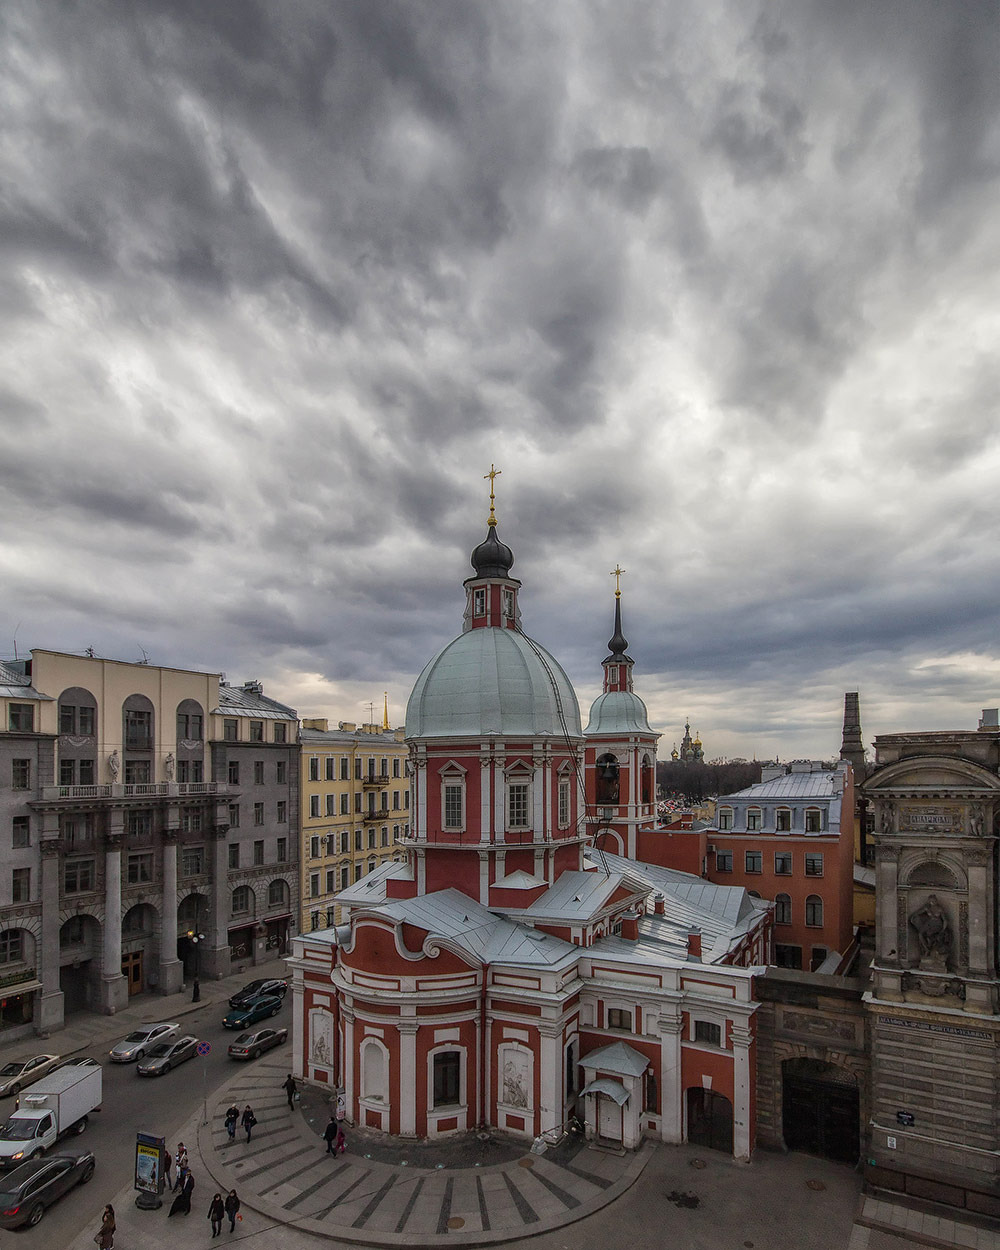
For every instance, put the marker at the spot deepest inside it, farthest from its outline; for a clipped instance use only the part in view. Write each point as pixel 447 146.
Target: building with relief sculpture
pixel 934 1004
pixel 520 965
pixel 149 817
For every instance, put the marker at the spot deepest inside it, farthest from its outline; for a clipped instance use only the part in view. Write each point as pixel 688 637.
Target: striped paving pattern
pixel 286 1173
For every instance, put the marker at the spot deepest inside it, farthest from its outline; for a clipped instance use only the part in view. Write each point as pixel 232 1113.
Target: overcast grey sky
pixel 714 284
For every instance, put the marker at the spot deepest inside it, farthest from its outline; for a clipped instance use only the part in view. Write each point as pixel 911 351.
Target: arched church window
pixel 607 779
pixel 447 1077
pixel 373 1071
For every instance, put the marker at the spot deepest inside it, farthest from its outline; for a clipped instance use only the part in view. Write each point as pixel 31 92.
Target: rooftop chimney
pixel 659 905
pixel 630 927
pixel 852 747
pixel 990 721
pixel 694 946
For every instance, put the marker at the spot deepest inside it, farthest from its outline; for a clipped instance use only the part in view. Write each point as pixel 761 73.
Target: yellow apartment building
pixel 355 809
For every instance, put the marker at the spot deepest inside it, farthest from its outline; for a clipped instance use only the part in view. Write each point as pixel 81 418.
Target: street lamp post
pixel 196 938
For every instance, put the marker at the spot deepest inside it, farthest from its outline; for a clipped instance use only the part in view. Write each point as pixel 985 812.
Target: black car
pixel 249 994
pixel 30 1188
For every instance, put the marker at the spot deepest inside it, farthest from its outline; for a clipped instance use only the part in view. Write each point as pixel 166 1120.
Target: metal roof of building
pixel 342 737
pixel 825 784
pixel 16 684
pixel 243 702
pixel 619 1057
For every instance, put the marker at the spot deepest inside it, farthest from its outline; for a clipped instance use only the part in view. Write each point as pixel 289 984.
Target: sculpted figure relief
pixel 932 929
pixel 114 764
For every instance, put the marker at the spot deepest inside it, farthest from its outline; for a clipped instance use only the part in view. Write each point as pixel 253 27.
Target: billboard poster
pixel 149 1163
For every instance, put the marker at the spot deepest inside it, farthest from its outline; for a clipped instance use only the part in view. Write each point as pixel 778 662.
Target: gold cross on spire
pixel 493 474
pixel 616 573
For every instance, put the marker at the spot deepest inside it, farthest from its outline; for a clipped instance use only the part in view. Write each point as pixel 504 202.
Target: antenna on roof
pixel 90 653
pixel 16 628
pixel 145 655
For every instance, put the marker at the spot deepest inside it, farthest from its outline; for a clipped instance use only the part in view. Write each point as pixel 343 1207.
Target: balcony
pixel 374 781
pixel 374 814
pixel 144 790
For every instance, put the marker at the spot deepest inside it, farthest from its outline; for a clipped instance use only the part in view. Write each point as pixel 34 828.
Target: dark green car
pixel 242 1018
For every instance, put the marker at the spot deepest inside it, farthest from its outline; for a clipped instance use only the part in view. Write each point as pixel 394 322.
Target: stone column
pixel 671 1091
pixel 889 958
pixel 407 1073
pixel 51 1014
pixel 215 960
pixel 551 1084
pixel 742 1038
pixel 171 968
pixel 114 987
pixel 347 1062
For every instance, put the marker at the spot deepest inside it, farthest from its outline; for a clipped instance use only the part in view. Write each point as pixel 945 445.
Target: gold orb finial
pixel 616 573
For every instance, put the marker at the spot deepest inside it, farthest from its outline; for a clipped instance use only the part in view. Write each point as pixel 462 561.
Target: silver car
pixel 166 1055
pixel 24 1072
pixel 139 1041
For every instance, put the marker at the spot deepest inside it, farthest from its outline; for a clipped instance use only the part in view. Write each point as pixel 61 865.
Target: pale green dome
pixel 492 681
pixel 618 711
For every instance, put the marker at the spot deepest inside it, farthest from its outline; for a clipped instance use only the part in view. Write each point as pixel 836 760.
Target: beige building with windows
pixel 355 806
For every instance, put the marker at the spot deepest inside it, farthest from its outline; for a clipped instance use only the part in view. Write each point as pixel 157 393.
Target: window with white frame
pixel 754 818
pixel 518 802
pixel 725 818
pixel 708 1033
pixel 564 794
pixel 783 820
pixel 814 820
pixel 479 602
pixel 453 804
pixel 447 1087
pixel 374 1071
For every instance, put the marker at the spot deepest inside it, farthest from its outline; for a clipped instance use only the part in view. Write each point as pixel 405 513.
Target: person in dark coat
pixel 168 1163
pixel 217 1213
pixel 232 1119
pixel 106 1234
pixel 291 1089
pixel 341 1139
pixel 330 1135
pixel 182 1200
pixel 248 1120
pixel 232 1206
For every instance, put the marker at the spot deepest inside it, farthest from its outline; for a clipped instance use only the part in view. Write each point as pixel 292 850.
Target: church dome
pixel 492 681
pixel 492 558
pixel 618 711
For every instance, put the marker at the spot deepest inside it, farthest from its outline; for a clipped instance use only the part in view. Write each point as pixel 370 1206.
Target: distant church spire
pixel 852 747
pixel 385 709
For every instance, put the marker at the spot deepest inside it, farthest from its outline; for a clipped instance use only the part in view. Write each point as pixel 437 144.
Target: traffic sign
pixel 204 1048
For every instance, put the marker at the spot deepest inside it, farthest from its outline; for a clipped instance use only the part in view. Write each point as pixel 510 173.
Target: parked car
pixel 26 1191
pixel 243 1017
pixel 81 1061
pixel 258 989
pixel 166 1055
pixel 24 1072
pixel 253 1045
pixel 138 1042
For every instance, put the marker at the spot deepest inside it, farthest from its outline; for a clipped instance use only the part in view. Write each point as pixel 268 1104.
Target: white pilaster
pixel 671 1093
pixel 407 1077
pixel 742 1038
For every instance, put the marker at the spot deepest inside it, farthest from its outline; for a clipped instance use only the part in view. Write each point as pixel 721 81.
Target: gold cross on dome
pixel 493 474
pixel 616 573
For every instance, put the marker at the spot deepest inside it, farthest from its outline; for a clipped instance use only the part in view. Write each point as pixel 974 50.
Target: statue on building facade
pixel 933 931
pixel 114 765
pixel 168 766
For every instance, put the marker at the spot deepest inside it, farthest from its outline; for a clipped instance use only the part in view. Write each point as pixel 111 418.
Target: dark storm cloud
pixel 709 283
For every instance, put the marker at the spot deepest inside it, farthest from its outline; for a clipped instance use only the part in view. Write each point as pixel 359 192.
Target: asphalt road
pixel 134 1104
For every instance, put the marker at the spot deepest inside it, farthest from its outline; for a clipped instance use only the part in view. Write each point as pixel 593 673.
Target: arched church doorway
pixel 820 1109
pixel 710 1119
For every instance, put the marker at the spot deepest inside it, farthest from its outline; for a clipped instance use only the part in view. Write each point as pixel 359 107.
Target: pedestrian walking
pixel 232 1119
pixel 248 1120
pixel 106 1233
pixel 330 1134
pixel 217 1213
pixel 182 1201
pixel 168 1163
pixel 291 1089
pixel 232 1205
pixel 341 1139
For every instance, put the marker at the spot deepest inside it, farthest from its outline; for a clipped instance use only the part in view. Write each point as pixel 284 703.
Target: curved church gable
pixel 930 773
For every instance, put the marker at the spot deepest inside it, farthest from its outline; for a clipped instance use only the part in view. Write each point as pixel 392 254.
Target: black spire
pixel 492 558
pixel 618 644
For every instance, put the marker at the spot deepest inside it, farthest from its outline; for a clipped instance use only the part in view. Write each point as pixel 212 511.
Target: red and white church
pixel 521 966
